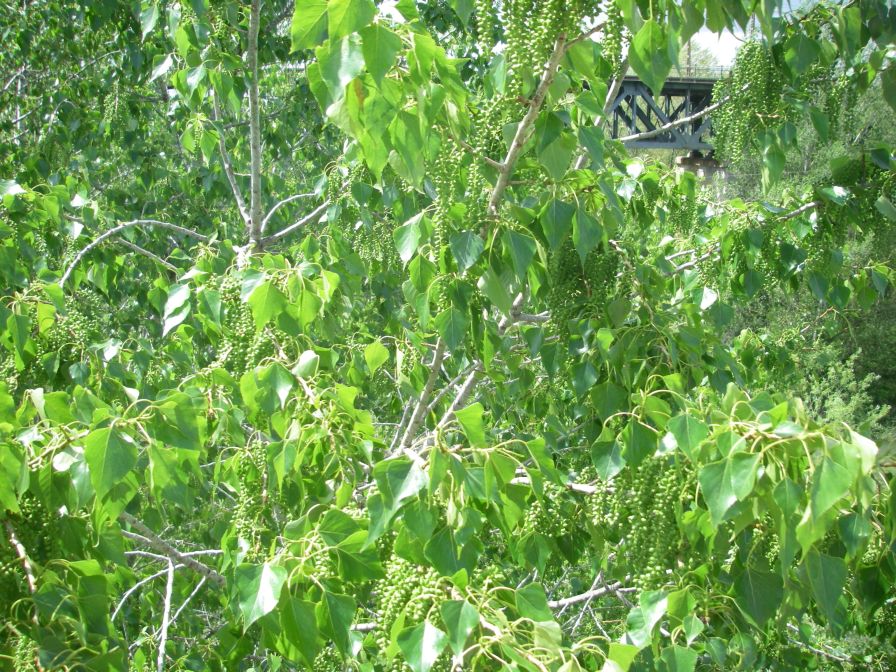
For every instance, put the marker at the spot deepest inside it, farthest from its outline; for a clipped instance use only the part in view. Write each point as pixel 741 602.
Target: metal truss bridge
pixel 636 111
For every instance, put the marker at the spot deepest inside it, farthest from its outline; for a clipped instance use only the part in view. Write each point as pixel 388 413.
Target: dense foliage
pixel 339 335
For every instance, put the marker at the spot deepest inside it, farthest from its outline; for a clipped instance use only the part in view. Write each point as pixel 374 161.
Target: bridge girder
pixel 637 110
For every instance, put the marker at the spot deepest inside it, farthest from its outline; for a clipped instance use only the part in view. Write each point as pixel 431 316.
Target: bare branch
pixel 189 597
pixel 423 402
pixel 462 395
pixel 22 554
pixel 525 126
pixel 254 127
pixel 472 150
pixel 279 205
pixel 142 582
pixel 800 210
pixel 447 388
pixel 114 231
pixel 146 253
pixel 610 589
pixel 310 218
pixel 228 166
pixel 166 549
pixel 166 618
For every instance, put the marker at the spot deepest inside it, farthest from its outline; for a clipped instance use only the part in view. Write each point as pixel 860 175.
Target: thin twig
pixel 115 230
pixel 149 255
pixel 228 165
pixel 310 218
pixel 447 388
pixel 142 582
pixel 279 205
pixel 187 601
pixel 159 544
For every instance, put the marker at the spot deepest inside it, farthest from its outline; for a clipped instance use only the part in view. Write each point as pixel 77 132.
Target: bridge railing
pixel 701 72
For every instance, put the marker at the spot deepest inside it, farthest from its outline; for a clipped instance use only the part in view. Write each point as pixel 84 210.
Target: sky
pixel 722 46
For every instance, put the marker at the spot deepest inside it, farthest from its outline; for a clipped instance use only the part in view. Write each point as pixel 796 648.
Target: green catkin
pixel 614 36
pixel 247 517
pixel 755 88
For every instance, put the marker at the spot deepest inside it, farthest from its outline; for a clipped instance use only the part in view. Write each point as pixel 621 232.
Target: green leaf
pixel 521 249
pixel 586 233
pixel 759 595
pixel 380 46
pixel 460 619
pixel 422 645
pixel 334 616
pixel 258 589
pixel 679 659
pixel 375 355
pixel 340 62
pixel 887 84
pixel 309 24
pixel 532 603
pixel 689 433
pixel 470 420
pixel 300 627
pixel 348 16
pixel 492 286
pixel 556 221
pixel 452 325
pixel 638 442
pixel 398 480
pixel 886 208
pixel 266 302
pixel 830 482
pixel 307 365
pixel 801 52
pixel 149 16
pixel 110 457
pixel 10 188
pixel 649 55
pixel 408 236
pixel 827 578
pixel 466 248
pixel 715 484
pixel 592 139
pixel 644 618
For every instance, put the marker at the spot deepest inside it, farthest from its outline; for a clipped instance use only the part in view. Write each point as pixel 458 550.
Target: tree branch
pixel 166 549
pixel 149 255
pixel 525 126
pixel 310 218
pixel 423 402
pixel 22 554
pixel 228 166
pixel 142 582
pixel 611 589
pixel 462 395
pixel 255 227
pixel 189 597
pixel 279 205
pixel 800 210
pixel 166 618
pixel 115 230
